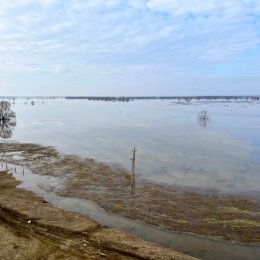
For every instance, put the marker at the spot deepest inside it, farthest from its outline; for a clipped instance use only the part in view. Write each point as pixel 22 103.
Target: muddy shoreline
pixel 224 217
pixel 30 228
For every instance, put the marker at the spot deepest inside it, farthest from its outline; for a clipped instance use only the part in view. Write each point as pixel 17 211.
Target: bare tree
pixel 7 120
pixel 203 118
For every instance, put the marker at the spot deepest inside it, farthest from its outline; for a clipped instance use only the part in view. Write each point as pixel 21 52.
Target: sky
pixel 129 47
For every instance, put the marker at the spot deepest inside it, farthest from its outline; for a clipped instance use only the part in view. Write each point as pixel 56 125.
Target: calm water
pixel 172 146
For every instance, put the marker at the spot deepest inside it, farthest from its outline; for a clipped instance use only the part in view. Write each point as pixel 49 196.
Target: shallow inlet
pixel 203 248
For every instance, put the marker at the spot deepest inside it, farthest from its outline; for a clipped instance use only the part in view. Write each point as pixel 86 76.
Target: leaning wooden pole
pixel 133 173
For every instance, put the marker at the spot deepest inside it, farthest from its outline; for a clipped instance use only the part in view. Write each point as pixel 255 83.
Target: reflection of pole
pixel 133 173
pixel 2 156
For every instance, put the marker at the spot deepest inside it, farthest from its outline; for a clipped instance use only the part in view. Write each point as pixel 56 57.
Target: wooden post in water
pixel 133 173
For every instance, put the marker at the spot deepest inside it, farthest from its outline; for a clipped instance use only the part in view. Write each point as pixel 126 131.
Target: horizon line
pixel 132 97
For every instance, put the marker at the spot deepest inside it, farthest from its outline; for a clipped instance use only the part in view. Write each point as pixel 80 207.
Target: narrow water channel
pixel 203 248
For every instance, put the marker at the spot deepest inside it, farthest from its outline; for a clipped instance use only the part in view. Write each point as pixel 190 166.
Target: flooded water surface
pixel 173 145
pixel 206 146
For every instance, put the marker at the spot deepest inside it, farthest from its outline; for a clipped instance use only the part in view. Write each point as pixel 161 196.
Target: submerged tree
pixel 7 120
pixel 203 118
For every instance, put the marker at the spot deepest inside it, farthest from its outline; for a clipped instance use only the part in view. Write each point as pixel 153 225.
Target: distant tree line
pixel 131 98
pixel 184 98
pixel 111 99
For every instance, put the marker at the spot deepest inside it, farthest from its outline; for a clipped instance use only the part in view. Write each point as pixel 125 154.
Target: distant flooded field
pixel 175 143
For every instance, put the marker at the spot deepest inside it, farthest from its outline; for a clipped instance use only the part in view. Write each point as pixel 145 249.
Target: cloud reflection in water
pixel 170 150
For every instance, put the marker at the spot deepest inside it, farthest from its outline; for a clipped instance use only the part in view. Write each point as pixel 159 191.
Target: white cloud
pixel 198 7
pixel 6 5
pixel 55 35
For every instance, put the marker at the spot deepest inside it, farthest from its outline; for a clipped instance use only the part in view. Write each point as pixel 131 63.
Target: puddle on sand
pixel 203 248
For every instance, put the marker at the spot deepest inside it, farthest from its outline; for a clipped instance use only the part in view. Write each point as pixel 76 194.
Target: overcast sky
pixel 129 47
